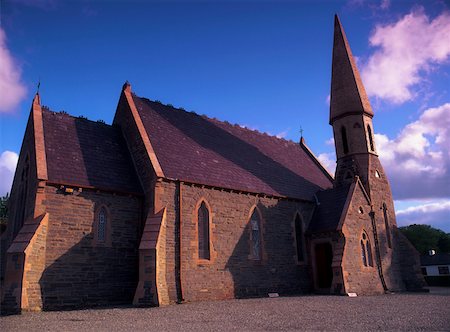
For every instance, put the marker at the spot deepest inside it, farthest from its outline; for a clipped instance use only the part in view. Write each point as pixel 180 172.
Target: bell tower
pixel 350 115
pixel 351 118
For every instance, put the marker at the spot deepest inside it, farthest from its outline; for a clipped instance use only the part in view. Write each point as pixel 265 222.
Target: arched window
pixel 203 232
pixel 299 238
pixel 363 253
pixel 366 250
pixel 369 132
pixel 255 235
pixel 386 225
pixel 20 216
pixel 344 139
pixel 101 225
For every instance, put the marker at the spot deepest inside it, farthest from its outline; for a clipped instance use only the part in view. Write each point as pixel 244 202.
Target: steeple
pixel 348 95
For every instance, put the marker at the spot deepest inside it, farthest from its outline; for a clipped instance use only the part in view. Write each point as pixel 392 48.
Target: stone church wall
pixel 231 272
pixel 22 197
pixel 358 278
pixel 80 270
pixel 380 192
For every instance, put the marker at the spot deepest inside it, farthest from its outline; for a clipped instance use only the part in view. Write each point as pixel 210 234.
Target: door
pixel 324 258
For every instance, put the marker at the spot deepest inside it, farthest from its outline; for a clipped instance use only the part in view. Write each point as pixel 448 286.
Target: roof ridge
pixel 226 122
pixel 79 117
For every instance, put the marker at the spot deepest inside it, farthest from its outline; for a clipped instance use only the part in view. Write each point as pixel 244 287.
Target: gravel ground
pixel 400 312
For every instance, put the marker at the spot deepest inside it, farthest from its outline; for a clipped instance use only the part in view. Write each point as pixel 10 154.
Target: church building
pixel 166 206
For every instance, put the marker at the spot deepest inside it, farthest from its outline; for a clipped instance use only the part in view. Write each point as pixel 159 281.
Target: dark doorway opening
pixel 324 257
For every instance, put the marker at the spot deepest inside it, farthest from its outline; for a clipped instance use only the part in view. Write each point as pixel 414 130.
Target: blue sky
pixel 262 64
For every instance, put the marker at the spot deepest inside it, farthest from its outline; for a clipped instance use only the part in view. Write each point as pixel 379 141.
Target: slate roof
pixel 436 259
pixel 199 149
pixel 347 90
pixel 87 153
pixel 328 213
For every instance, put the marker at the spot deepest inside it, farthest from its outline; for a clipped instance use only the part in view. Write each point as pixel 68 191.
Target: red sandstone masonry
pixel 358 278
pixel 80 272
pixel 24 267
pixel 231 273
pixel 30 152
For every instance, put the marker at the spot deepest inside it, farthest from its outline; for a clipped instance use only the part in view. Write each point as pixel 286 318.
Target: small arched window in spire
pixel 102 220
pixel 203 232
pixel 344 139
pixel 369 132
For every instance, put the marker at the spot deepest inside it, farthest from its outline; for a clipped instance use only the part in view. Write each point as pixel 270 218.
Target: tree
pixel 3 212
pixel 425 237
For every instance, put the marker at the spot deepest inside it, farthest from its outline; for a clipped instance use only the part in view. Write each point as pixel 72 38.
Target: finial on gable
pixel 126 87
pixel 37 98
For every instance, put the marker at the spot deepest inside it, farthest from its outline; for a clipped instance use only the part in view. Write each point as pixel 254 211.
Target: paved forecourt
pixel 405 312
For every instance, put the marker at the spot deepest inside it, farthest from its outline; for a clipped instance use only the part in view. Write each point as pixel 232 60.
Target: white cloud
pixel 406 51
pixel 328 160
pixel 433 213
pixel 282 134
pixel 418 159
pixel 327 100
pixel 13 90
pixel 330 141
pixel 8 162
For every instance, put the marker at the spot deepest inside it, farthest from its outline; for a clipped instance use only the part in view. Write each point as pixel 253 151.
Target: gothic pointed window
pixel 255 235
pixel 299 238
pixel 344 139
pixel 386 225
pixel 101 225
pixel 203 232
pixel 366 250
pixel 363 253
pixel 21 214
pixel 369 132
pixel 369 253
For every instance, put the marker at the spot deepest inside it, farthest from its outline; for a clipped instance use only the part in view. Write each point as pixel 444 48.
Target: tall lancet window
pixel 369 132
pixel 255 235
pixel 203 232
pixel 20 216
pixel 366 250
pixel 102 220
pixel 386 225
pixel 344 139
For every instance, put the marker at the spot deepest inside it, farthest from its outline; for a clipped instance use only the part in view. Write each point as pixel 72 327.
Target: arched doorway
pixel 324 258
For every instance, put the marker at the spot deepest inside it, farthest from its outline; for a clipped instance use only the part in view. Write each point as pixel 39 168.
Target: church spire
pixel 348 95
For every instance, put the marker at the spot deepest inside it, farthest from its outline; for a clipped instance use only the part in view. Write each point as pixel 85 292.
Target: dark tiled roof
pixel 328 213
pixel 347 91
pixel 195 148
pixel 436 259
pixel 87 153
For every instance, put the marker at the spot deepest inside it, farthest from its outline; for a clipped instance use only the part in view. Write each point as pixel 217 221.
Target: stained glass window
pixel 203 232
pixel 101 232
pixel 255 225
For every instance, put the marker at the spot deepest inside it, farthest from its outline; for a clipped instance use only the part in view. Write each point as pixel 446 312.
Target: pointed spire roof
pixel 348 95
